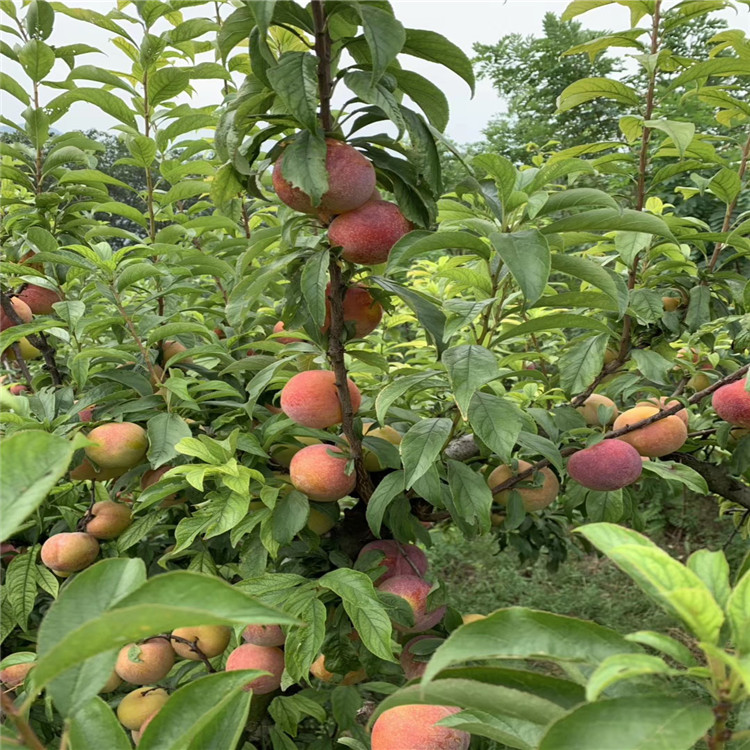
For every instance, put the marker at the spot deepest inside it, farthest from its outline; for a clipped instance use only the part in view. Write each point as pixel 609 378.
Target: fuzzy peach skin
pixel 415 590
pixel 412 664
pixel 656 439
pixel 318 669
pixel 360 309
pixel 69 551
pixel 351 181
pixel 399 560
pixel 28 350
pixel 664 402
pixel 250 656
pixel 278 328
pixel 15 675
pixel 413 728
pixel 109 519
pixel 212 640
pixel 367 234
pixel 590 408
pixel 40 299
pixel 608 465
pixel 534 498
pixel 264 635
pixel 321 476
pixel 139 705
pixel 311 399
pixel 149 661
pixel 732 403
pixel 117 444
pixel 22 310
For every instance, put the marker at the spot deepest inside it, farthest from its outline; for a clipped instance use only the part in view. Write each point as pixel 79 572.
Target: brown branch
pixel 608 369
pixel 193 646
pixel 663 414
pixel 323 52
pixel 31 741
pixel 717 479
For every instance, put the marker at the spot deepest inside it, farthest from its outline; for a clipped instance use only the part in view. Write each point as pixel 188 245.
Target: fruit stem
pixel 27 734
pixel 193 646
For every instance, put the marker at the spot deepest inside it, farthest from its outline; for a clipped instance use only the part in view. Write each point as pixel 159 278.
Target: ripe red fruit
pixel 311 399
pixel 608 465
pixel 40 299
pixel 22 310
pixel 399 560
pixel 359 308
pixel 415 728
pixel 732 403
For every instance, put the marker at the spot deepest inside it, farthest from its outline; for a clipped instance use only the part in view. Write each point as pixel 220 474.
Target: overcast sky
pixel 463 21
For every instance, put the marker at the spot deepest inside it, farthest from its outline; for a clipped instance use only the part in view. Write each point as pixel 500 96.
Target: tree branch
pixel 31 741
pixel 718 481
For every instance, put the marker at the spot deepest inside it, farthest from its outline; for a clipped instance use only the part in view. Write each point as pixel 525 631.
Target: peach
pixel 15 675
pixel 534 498
pixel 415 591
pixel 116 445
pixel 137 734
pixel 278 328
pixel 109 519
pixel 320 475
pixel 671 303
pixel 699 382
pixel 171 349
pixel 400 559
pixel 367 234
pixel 151 477
pixel 413 664
pixel 40 299
pixel 69 552
pixel 28 350
pixel 264 635
pixel 18 389
pixel 87 414
pixel 311 399
pixel 372 462
pixel 320 523
pixel 149 661
pixel 360 310
pixel 351 180
pixel 318 669
pixel 732 403
pixel 415 728
pixel 283 453
pixel 139 705
pixel 590 409
pixel 610 356
pixel 608 465
pixel 654 440
pixel 86 470
pixel 664 402
pixel 212 640
pixel 112 683
pixel 267 659
pixel 22 310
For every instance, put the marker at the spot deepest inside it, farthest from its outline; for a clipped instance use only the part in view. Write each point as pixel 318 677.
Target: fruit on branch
pixel 28 350
pixel 278 328
pixel 16 674
pixel 18 389
pixel 664 402
pixel 320 523
pixel 533 498
pixel 400 559
pixel 311 399
pixel 149 661
pixel 689 355
pixel 86 470
pixel 171 349
pixel 732 403
pixel 139 705
pixel 109 520
pixel 351 180
pixel 264 635
pixel 212 640
pixel 360 310
pixel 69 551
pixel 415 728
pixel 386 432
pixel 87 414
pixel 413 664
pixel 608 465
pixel 671 303
pixel 415 591
pixel 117 445
pixel 112 683
pixel 250 656
pixel 283 453
pixel 590 409
pixel 22 310
pixel 367 234
pixel 610 356
pixel 657 439
pixel 137 734
pixel 318 669
pixel 698 382
pixel 40 299
pixel 151 477
pixel 321 476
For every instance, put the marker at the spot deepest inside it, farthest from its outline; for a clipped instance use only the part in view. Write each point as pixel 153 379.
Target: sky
pixel 464 22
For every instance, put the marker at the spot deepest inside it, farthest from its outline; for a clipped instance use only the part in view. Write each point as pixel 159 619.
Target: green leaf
pixel 469 368
pixel 96 725
pixel 496 421
pixel 385 493
pixel 295 81
pixel 669 583
pixel 313 284
pixel 142 149
pixel 676 472
pixel 577 7
pixel 195 706
pixel 415 244
pixel 624 667
pixel 587 270
pixel 699 307
pixel 184 190
pixel 428 97
pixel 527 256
pixel 566 200
pixel 21 585
pixel 377 95
pixel 681 133
pixel 170 600
pixel 664 643
pixel 581 363
pixel 290 516
pixel 368 615
pixel 95 73
pixel 554 322
pixel 421 445
pixel 429 45
pixel 164 432
pixel 393 391
pixel 40 17
pixel 25 481
pixel 303 644
pixel 586 89
pixel 649 723
pixel 106 101
pixel 89 176
pixel 608 220
pixel 225 728
pixel 520 633
pixel 37 59
pixel 305 164
pixel 225 186
pixel 9 84
pixel 718 66
pixel 738 614
pixel 725 185
pixel 472 498
pixel 384 34
pixel 713 569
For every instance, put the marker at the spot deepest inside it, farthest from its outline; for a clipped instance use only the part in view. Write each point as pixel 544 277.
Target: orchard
pixel 246 405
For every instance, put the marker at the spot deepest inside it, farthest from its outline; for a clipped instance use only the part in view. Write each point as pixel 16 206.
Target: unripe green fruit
pixel 139 704
pixel 109 519
pixel 212 640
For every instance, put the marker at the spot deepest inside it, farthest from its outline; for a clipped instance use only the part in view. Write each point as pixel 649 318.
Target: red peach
pixel 321 476
pixel 264 635
pixel 40 299
pixel 250 656
pixel 311 399
pixel 656 439
pixel 69 552
pixel 278 328
pixel 732 403
pixel 413 664
pixel 400 559
pixel 212 640
pixel 318 669
pixel 415 591
pixel 415 728
pixel 109 520
pixel 590 409
pixel 145 662
pixel 608 465
pixel 15 675
pixel 22 310
pixel 664 402
pixel 360 309
pixel 118 444
pixel 534 498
